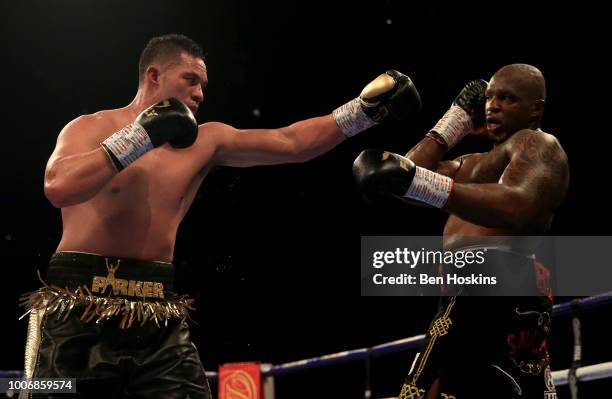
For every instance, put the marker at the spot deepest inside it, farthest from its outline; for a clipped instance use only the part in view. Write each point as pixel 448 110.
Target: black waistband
pixel 128 277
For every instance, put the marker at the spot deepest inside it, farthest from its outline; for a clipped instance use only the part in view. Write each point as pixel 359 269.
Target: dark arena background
pixel 272 254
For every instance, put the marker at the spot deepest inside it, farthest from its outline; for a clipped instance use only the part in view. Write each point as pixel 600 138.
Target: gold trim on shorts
pixel 60 302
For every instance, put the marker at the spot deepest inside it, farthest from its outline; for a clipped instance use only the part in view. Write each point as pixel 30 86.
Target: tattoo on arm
pixel 539 166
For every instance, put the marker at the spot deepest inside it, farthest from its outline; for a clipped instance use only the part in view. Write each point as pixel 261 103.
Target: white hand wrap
pixel 454 126
pixel 351 119
pixel 127 145
pixel 430 187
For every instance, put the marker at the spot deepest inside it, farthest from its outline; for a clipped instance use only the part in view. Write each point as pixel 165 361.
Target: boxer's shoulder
pixel 105 120
pixel 532 137
pixel 536 144
pixel 85 132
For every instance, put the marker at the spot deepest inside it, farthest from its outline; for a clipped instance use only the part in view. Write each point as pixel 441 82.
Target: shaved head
pixel 526 78
pixel 516 98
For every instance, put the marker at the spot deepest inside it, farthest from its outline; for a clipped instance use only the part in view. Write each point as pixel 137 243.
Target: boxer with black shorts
pixel 124 179
pixel 495 346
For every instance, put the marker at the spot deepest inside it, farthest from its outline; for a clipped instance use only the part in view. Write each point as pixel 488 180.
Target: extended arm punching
pixel 390 95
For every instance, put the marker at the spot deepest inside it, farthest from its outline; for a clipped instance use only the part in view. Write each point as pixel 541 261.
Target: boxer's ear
pixel 152 74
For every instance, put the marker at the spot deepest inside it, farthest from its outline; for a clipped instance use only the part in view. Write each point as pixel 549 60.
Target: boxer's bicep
pixel 299 142
pixel 78 167
pixel 253 147
pixel 537 170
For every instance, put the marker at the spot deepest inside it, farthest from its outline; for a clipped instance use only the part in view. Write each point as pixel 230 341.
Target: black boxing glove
pixel 168 121
pixel 391 95
pixel 466 115
pixel 381 174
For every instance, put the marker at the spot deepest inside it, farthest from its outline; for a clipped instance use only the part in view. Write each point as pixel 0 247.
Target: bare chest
pixel 164 179
pixel 483 168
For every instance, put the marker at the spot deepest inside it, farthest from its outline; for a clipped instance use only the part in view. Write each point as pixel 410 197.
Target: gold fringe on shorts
pixel 61 301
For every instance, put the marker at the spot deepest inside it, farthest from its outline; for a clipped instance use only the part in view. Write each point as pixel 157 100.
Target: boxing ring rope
pixel 586 373
pixel 583 304
pixel 560 377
